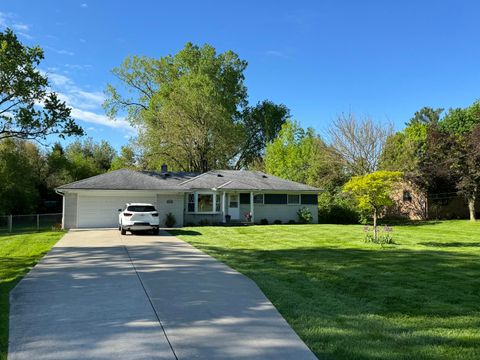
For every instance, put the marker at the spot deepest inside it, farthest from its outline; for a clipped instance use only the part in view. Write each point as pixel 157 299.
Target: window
pixel 205 203
pixel 258 199
pixel 293 199
pixel 407 196
pixel 191 202
pixel 141 208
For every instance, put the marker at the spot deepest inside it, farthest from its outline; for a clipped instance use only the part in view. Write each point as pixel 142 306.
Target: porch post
pixel 252 211
pixel 224 205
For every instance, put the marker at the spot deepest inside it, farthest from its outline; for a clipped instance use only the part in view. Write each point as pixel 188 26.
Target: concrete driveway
pixel 100 295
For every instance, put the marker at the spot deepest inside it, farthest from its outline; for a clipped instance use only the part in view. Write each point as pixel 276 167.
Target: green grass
pixel 18 254
pixel 417 299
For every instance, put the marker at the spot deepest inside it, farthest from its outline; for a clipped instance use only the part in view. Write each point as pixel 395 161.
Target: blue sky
pixel 382 59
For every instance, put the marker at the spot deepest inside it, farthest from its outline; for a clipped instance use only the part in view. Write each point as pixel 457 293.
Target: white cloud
pixel 64 52
pixel 86 105
pixel 84 5
pixel 10 20
pixel 100 119
pixel 21 27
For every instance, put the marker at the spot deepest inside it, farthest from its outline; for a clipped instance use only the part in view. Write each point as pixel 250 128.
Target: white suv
pixel 138 217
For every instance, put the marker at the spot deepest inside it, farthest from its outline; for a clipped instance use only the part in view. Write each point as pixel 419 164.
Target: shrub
pixel 204 222
pixel 189 224
pixel 337 209
pixel 170 220
pixel 277 222
pixel 291 221
pixel 264 222
pixel 384 236
pixel 304 215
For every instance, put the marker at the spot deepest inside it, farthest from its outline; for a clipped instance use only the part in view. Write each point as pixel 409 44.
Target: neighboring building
pixel 245 196
pixel 413 204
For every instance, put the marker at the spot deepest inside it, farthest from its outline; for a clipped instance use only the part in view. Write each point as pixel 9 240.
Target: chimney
pixel 164 168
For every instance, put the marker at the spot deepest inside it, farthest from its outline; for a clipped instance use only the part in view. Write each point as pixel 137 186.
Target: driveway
pixel 100 295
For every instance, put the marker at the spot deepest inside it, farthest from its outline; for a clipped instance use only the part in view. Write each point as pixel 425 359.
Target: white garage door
pixel 102 211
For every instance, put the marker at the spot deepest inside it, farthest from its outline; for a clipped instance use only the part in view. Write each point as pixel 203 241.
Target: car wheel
pixel 123 231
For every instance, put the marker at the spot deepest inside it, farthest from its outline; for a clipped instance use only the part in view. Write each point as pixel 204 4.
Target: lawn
pixel 18 253
pixel 417 299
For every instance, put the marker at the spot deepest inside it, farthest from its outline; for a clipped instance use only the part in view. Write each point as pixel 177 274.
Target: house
pixel 211 197
pixel 410 202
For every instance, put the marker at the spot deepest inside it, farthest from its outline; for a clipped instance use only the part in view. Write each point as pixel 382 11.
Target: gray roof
pixel 244 180
pixel 181 181
pixel 131 180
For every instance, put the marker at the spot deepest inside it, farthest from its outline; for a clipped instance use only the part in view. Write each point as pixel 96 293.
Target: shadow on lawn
pixel 450 244
pixel 362 304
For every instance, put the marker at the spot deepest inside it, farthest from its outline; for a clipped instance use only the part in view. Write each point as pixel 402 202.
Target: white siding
pixel 102 210
pixel 69 211
pixel 170 203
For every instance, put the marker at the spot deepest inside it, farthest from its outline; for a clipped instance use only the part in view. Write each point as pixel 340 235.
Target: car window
pixel 141 208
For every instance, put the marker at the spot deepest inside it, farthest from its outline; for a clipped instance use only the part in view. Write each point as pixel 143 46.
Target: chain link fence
pixel 33 222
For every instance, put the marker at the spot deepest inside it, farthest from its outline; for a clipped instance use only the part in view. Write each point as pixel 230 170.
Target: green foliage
pixel 278 222
pixel 304 215
pixel 300 155
pixel 170 220
pixel 125 160
pixel 461 121
pixel 87 158
pixel 337 209
pixel 373 191
pixel 261 124
pixel 18 191
pixel 183 105
pixel 384 236
pixel 264 222
pixel 425 116
pixel 22 88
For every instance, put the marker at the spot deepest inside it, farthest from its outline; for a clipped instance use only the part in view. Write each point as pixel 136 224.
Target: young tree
pixel 28 110
pixel 358 144
pixel 372 192
pixel 185 106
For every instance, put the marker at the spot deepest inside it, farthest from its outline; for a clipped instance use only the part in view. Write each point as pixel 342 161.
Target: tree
pixel 261 124
pixel 87 158
pixel 461 121
pixel 426 116
pixel 358 144
pixel 125 160
pixel 467 166
pixel 186 107
pixel 301 155
pixel 28 110
pixel 18 192
pixel 372 192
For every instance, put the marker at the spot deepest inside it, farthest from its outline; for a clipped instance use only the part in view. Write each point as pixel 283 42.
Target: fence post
pixel 38 222
pixel 9 223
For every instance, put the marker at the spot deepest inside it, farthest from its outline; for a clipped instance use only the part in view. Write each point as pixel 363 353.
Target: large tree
pixel 28 109
pixel 301 155
pixel 358 143
pixel 186 106
pixel 261 124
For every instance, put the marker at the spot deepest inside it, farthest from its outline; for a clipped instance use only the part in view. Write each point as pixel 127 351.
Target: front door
pixel 234 206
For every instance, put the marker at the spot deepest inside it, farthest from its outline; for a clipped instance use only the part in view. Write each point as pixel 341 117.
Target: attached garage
pixel 102 210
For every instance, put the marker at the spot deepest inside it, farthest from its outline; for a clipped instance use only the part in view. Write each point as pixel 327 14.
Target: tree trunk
pixel 375 224
pixel 471 207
